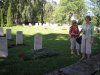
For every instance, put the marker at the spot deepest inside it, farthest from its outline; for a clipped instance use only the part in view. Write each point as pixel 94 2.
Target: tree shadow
pixel 59 43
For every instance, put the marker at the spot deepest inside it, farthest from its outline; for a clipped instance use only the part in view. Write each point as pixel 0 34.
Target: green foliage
pixel 67 8
pixel 48 13
pixel 42 11
pixel 9 16
pixel 2 22
pixel 53 42
pixel 96 10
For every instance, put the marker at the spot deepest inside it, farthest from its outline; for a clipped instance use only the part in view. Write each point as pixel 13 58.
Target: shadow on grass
pixel 52 43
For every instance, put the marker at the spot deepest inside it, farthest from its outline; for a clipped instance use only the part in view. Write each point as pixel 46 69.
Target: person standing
pixel 87 38
pixel 74 33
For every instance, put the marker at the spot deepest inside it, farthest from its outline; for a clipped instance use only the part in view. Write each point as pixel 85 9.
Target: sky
pixel 57 1
pixel 89 4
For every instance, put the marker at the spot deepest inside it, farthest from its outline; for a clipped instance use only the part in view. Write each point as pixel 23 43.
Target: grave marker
pixel 37 42
pixel 8 34
pixel 1 32
pixel 3 47
pixel 19 37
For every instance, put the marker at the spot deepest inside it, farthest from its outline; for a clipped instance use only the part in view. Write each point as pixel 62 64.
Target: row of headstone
pixel 8 33
pixel 19 40
pixel 30 25
pixel 38 24
pixel 3 41
pixel 19 35
pixel 47 25
pixel 37 40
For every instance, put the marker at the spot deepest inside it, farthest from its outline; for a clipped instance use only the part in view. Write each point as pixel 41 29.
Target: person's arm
pixel 70 32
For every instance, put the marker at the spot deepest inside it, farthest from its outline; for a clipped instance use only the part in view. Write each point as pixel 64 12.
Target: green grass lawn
pixel 53 41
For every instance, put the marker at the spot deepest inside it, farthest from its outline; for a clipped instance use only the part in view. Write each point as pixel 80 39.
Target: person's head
pixel 88 18
pixel 74 22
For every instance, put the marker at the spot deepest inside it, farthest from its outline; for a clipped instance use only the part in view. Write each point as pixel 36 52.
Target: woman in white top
pixel 87 38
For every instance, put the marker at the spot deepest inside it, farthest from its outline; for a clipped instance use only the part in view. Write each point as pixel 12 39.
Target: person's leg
pixel 88 48
pixel 83 45
pixel 78 48
pixel 72 45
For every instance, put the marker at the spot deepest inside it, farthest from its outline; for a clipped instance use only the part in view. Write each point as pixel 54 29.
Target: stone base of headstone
pixel 14 45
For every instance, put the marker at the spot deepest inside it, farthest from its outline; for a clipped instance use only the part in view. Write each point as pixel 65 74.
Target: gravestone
pixel 1 32
pixel 45 26
pixel 54 27
pixel 30 25
pixel 8 34
pixel 37 41
pixel 3 47
pixel 36 25
pixel 19 38
pixel 24 25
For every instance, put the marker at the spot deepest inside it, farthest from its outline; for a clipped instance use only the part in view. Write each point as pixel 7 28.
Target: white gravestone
pixel 8 34
pixel 37 42
pixel 3 47
pixel 1 32
pixel 23 25
pixel 19 38
pixel 54 27
pixel 30 25
pixel 45 26
pixel 36 25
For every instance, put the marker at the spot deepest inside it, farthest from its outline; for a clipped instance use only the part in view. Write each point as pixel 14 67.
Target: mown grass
pixel 56 41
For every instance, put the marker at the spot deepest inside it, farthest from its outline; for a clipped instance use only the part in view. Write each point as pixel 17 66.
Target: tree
pixel 9 16
pixel 48 12
pixel 67 8
pixel 96 10
pixel 2 22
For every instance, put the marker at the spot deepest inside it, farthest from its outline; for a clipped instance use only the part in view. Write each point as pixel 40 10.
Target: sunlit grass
pixel 53 40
